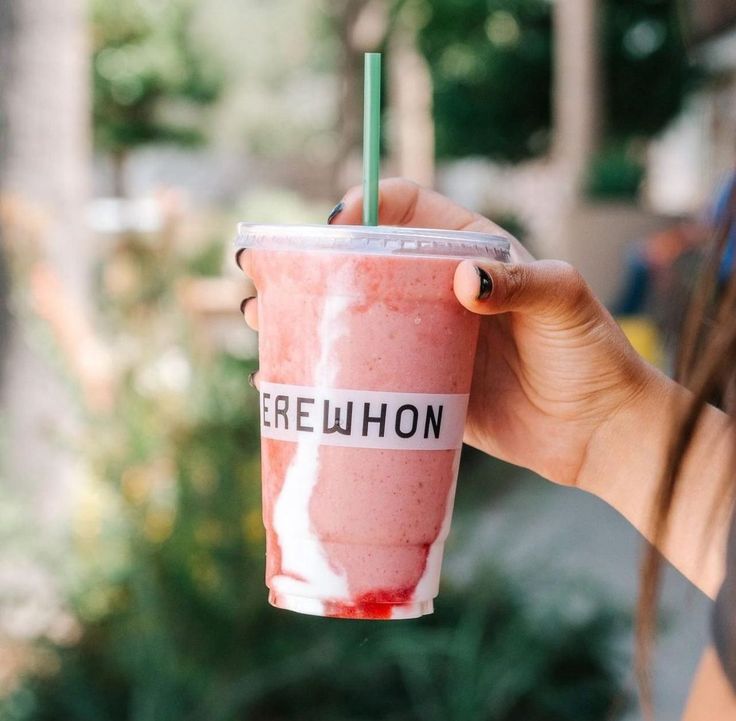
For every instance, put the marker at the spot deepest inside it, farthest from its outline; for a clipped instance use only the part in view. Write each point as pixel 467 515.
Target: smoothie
pixel 366 361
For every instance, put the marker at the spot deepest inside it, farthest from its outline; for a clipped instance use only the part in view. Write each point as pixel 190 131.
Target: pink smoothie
pixel 358 532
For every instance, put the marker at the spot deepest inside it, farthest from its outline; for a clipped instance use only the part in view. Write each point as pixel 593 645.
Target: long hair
pixel 706 364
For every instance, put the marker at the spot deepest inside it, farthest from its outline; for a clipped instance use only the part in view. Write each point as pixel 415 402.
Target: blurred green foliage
pixel 615 174
pixel 491 63
pixel 149 74
pixel 647 67
pixel 491 67
pixel 175 647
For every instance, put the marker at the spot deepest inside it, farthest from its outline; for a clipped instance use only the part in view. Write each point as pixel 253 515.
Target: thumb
pixel 550 289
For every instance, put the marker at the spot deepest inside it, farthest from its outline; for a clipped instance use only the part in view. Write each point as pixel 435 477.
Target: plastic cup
pixel 366 360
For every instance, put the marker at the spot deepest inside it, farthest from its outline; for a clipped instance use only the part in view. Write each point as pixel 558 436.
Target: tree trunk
pixel 412 123
pixel 119 162
pixel 577 88
pixel 44 181
pixel 360 27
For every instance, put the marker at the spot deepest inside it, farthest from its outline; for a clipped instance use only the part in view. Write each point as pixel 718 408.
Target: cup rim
pixel 380 240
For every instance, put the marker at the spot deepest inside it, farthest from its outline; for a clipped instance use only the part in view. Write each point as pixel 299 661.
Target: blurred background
pixel 133 135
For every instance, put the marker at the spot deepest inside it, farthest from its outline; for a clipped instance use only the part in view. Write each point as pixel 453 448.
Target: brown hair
pixel 706 364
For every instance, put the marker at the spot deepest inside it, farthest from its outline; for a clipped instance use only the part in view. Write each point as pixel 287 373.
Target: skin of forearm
pixel 625 462
pixel 711 696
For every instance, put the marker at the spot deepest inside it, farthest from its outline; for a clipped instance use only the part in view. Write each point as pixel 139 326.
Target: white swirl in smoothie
pixel 302 553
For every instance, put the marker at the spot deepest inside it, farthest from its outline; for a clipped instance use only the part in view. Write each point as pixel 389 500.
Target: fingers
pixel 546 288
pixel 248 306
pixel 402 202
pixel 249 309
pixel 550 289
pixel 243 261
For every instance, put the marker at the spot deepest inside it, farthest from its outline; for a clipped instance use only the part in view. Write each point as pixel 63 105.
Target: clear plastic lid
pixel 378 240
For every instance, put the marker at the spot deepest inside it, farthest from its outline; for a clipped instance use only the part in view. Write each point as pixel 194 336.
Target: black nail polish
pixel 251 375
pixel 335 212
pixel 485 287
pixel 237 257
pixel 244 301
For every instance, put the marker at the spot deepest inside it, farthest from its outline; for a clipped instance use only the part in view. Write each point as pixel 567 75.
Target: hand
pixel 552 367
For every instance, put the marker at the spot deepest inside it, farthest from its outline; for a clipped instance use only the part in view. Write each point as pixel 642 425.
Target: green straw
pixel 371 136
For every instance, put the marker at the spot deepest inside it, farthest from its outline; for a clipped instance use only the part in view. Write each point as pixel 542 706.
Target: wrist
pixel 633 438
pixel 625 464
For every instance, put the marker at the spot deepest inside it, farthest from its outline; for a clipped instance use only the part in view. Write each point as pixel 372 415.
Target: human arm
pixel 711 696
pixel 625 462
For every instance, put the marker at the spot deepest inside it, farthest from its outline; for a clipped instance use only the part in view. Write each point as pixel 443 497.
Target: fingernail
pixel 485 287
pixel 335 212
pixel 251 376
pixel 237 257
pixel 244 301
